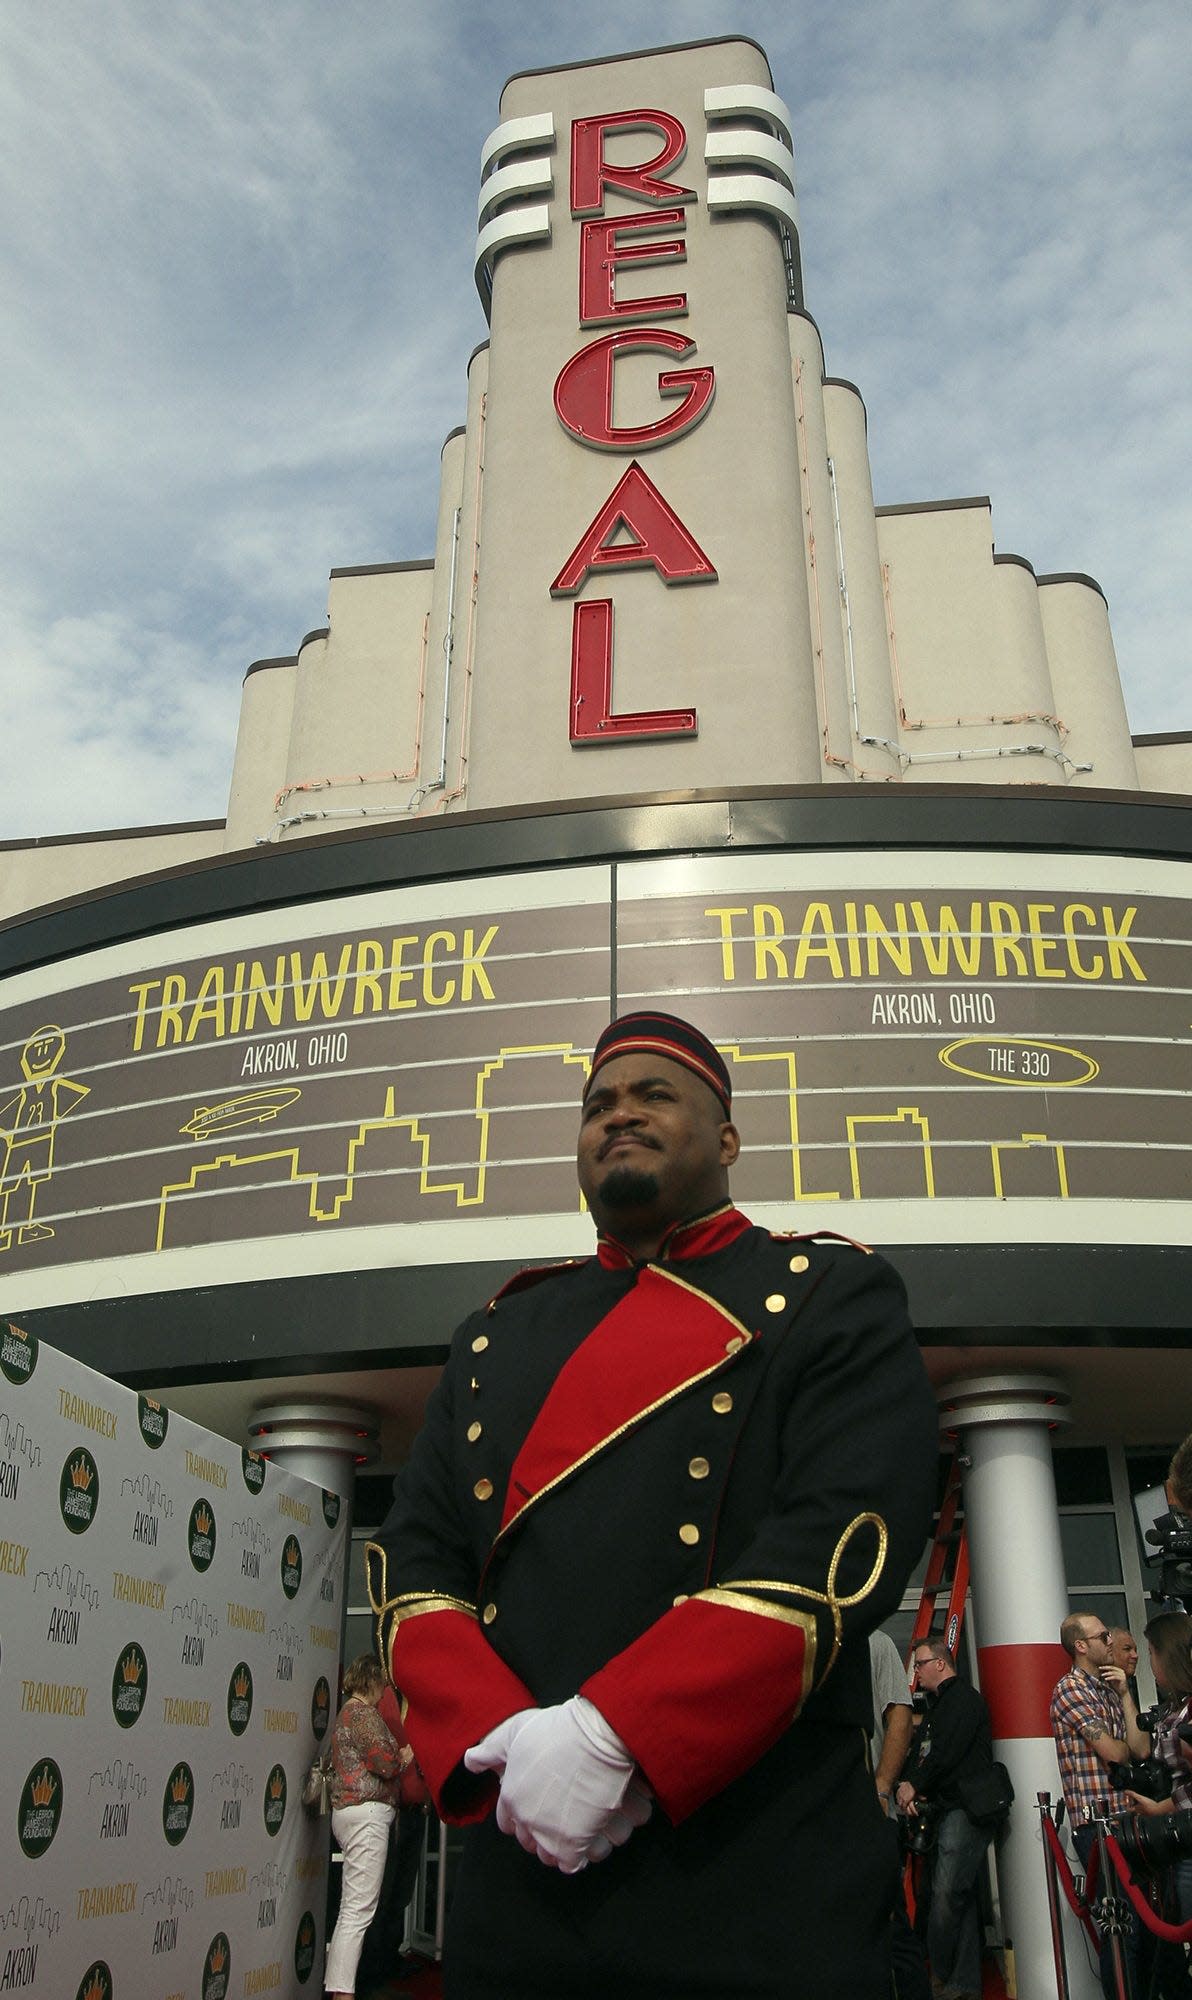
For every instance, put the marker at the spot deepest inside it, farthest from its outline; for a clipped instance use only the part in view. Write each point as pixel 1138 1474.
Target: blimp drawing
pixel 237 1114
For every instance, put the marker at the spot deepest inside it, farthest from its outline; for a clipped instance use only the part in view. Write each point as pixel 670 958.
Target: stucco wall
pixel 1164 762
pixel 45 871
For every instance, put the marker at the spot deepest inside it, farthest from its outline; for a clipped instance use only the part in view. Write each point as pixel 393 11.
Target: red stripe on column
pixel 1016 1682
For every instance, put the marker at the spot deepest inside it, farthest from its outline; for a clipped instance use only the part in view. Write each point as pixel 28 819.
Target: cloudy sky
pixel 236 307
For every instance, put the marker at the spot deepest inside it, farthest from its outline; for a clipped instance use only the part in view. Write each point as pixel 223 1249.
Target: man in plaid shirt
pixel 1094 1719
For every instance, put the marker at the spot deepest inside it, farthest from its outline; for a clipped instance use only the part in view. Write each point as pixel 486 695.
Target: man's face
pixel 930 1673
pixel 1097 1653
pixel 654 1144
pixel 1123 1652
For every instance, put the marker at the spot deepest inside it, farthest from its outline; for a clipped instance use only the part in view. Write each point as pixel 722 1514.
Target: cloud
pixel 109 721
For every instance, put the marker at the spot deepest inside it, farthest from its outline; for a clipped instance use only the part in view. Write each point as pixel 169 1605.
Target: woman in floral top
pixel 366 1767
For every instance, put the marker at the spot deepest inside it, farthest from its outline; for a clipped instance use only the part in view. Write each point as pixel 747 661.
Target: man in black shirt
pixel 953 1744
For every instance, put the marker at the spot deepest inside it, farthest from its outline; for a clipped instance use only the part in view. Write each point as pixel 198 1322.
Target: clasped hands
pixel 570 1791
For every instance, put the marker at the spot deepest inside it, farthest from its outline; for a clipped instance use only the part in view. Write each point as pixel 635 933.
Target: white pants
pixel 363 1834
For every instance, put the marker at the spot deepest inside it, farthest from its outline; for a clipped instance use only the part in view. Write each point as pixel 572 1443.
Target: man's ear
pixel 730 1144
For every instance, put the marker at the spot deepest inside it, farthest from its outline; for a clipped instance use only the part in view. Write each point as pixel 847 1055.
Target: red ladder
pixel 943 1576
pixel 945 1588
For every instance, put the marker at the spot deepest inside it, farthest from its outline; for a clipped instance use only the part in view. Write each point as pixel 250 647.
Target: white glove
pixel 569 1793
pixel 492 1751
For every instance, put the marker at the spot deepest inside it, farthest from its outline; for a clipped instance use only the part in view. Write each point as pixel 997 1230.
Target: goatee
pixel 629 1187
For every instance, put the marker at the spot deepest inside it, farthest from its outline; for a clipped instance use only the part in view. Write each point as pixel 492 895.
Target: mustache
pixel 617 1138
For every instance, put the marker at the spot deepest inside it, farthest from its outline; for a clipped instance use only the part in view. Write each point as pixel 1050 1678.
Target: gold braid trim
pixel 407 1604
pixel 836 1605
pixel 382 1556
pixel 415 1602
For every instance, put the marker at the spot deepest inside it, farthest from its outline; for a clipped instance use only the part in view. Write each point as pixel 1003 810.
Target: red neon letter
pixel 584 391
pixel 657 536
pixel 591 174
pixel 600 252
pixel 592 719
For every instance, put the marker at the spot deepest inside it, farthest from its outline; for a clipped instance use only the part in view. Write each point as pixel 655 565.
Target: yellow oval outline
pixel 1020 1042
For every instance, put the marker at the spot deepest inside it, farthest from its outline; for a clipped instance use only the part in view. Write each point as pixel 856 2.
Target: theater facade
pixel 673 714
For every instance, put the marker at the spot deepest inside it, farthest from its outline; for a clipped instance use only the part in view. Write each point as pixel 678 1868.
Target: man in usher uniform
pixel 660 1498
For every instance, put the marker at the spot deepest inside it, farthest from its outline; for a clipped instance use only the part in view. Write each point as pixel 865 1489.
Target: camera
pixel 1170 1535
pixel 1154 1843
pixel 917 1834
pixel 1145 1775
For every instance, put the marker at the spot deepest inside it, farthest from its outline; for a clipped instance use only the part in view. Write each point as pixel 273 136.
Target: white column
pixel 324 1441
pixel 1004 1423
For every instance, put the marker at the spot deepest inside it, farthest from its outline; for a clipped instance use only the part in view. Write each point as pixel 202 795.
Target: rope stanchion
pixel 1079 1908
pixel 1173 1933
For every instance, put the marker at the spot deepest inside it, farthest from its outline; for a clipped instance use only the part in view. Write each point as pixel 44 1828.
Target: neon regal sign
pixel 636 527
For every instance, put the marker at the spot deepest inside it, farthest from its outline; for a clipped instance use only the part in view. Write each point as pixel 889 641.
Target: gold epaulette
pixel 819 1236
pixel 521 1281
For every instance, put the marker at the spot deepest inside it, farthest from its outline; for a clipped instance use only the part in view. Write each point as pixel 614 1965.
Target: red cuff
pixel 704 1692
pixel 457 1689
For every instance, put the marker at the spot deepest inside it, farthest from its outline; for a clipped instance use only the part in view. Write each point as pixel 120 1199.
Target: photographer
pixel 1169 1637
pixel 1179 1478
pixel 953 1745
pixel 1094 1721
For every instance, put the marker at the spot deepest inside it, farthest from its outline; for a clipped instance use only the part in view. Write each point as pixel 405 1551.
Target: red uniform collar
pixel 698 1238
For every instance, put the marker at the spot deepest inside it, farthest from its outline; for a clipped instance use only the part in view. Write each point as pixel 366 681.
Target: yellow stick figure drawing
pixel 28 1121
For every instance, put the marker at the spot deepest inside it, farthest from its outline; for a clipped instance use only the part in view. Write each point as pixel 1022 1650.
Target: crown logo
pixel 277 1785
pixel 241 1684
pixel 130 1669
pixel 81 1475
pixel 203 1520
pixel 306 1931
pixel 179 1787
pixel 97 1988
pixel 292 1552
pixel 218 1956
pixel 44 1788
pixel 322 1696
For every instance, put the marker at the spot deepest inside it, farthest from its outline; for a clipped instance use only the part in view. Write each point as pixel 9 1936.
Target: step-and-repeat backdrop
pixel 170 1611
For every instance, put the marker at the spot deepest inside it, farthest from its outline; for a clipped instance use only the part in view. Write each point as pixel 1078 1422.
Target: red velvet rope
pixel 1063 1870
pixel 1174 1933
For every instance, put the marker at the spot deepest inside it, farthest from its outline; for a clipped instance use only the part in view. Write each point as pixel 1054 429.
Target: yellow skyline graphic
pixel 469 1186
pixel 330 1210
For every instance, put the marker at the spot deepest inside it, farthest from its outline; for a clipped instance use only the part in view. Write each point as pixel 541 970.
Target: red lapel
pixel 662 1337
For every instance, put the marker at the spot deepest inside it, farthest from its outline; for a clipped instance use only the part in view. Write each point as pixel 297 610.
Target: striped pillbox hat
pixel 650 1033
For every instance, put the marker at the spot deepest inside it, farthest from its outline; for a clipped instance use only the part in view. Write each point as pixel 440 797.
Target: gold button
pixel 775 1303
pixel 480 1343
pixel 699 1468
pixel 689 1533
pixel 722 1402
pixel 800 1263
pixel 738 1341
pixel 474 1431
pixel 483 1489
pixel 475 1386
pixel 680 1599
pixel 489 1613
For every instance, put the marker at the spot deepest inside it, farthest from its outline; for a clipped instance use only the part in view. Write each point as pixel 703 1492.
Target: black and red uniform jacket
pixel 687 1490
